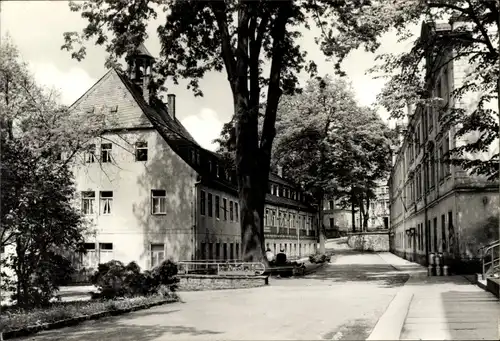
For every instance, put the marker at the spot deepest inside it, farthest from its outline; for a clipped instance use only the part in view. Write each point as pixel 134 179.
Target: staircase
pixel 491 260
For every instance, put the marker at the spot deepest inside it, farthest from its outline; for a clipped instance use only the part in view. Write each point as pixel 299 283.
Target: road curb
pixel 390 324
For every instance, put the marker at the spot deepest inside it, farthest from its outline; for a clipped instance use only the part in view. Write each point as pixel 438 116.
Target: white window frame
pixel 108 252
pixel 157 198
pixel 106 152
pixel 90 153
pixel 157 254
pixel 105 201
pixel 139 147
pixel 89 198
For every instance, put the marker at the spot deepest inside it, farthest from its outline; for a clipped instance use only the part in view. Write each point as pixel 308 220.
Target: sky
pixel 37 28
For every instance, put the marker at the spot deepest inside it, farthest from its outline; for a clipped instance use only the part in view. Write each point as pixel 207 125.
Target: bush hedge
pixel 114 279
pixel 16 319
pixel 319 258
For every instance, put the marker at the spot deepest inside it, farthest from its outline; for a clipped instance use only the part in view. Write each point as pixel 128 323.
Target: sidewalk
pixel 437 308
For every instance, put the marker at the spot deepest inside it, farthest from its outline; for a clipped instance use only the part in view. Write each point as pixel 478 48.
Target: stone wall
pixel 369 241
pixel 213 282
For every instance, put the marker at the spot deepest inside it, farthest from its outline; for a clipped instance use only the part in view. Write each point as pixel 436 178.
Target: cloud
pixel 70 84
pixel 204 127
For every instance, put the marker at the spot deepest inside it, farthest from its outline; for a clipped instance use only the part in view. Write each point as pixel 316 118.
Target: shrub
pixel 166 274
pixel 117 280
pixel 317 258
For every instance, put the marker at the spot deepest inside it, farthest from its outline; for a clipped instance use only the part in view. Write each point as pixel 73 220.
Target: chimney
pixel 171 105
pixel 145 89
pixel 280 171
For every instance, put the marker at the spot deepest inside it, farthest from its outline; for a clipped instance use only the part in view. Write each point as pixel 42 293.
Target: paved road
pixel 342 301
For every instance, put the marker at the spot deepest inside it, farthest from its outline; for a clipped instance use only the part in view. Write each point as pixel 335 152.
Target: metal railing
pixel 221 268
pixel 490 258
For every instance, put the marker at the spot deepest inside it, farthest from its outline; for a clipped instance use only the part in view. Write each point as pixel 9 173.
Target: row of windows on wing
pixel 98 253
pixel 220 251
pixel 88 206
pixel 211 206
pixel 438 237
pixel 285 192
pixel 106 152
pixel 211 164
pixel 435 169
pixel 286 219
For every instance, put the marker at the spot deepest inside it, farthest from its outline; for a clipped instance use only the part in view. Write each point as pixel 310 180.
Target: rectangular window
pixel 330 205
pixel 450 231
pixel 266 218
pixel 440 163
pixel 217 251
pixel 273 218
pixel 106 152
pixel 113 109
pixel 89 258
pixel 224 251
pixel 217 207
pixel 210 205
pixel 90 154
pixel 443 233
pixel 446 150
pixel 202 202
pixel 435 235
pixel 202 251
pixel 141 151
pixel 331 223
pixel 106 202
pixel 105 252
pixel 210 251
pixel 231 213
pixel 417 140
pixel 237 250
pixel 157 254
pixel 224 207
pixel 88 202
pixel 158 201
pixel 236 211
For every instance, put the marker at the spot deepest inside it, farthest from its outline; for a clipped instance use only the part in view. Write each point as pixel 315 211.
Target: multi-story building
pixel 338 219
pixel 153 193
pixel 437 207
pixel 379 208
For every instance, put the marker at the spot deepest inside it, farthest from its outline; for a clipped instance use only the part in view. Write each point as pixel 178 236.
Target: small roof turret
pixel 141 51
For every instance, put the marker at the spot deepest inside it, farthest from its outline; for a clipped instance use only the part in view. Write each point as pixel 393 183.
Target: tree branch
pixel 219 10
pixel 481 27
pixel 274 90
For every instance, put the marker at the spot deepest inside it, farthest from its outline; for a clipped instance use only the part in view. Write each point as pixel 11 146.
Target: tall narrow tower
pixel 140 63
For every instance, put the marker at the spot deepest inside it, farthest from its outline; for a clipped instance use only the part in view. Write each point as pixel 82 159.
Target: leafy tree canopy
pixel 328 144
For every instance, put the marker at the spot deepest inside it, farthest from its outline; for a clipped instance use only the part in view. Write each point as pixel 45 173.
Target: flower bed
pixel 16 322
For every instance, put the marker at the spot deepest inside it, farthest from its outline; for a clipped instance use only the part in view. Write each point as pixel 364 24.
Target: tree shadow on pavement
pixel 117 329
pixel 385 275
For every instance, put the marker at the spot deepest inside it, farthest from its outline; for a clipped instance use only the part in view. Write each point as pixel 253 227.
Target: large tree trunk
pixel 249 183
pixel 252 160
pixel 367 213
